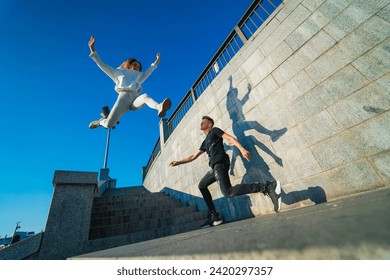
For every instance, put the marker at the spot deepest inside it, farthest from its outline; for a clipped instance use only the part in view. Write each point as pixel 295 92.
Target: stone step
pixel 134 211
pixel 124 239
pixel 144 225
pixel 130 197
pixel 125 191
pixel 136 208
pixel 136 203
pixel 137 211
pixel 126 216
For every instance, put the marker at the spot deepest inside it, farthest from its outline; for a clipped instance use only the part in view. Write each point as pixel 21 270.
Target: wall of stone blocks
pixel 318 69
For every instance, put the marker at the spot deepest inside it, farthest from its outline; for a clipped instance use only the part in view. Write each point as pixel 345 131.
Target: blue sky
pixel 50 89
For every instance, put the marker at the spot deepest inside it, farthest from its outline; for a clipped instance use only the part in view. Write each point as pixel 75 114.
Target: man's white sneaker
pixel 274 191
pixel 213 219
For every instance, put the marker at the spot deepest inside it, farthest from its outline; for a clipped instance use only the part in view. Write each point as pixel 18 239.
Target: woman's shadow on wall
pixel 257 169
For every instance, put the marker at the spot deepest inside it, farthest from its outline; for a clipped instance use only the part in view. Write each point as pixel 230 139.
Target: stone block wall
pixel 317 70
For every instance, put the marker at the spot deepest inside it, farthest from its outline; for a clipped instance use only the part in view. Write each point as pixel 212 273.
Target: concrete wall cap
pixel 74 178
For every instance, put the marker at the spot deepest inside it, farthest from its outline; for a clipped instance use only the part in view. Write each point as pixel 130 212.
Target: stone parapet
pixel 25 249
pixel 74 178
pixel 68 223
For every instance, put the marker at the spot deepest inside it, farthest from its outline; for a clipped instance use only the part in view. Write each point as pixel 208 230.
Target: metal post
pixel 16 228
pixel 193 94
pixel 240 34
pixel 107 147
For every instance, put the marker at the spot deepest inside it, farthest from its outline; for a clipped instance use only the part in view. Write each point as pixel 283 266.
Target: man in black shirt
pixel 219 162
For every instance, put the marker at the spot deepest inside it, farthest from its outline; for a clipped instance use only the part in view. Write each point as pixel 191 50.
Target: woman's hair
pixel 209 119
pixel 129 62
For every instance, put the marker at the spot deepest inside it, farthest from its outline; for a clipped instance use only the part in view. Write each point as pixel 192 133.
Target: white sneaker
pixel 275 190
pixel 163 107
pixel 213 219
pixel 95 124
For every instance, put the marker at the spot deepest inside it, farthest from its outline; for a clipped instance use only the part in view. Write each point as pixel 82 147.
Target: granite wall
pixel 308 95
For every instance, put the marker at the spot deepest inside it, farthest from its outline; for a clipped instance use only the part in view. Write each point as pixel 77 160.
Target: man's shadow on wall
pixel 257 169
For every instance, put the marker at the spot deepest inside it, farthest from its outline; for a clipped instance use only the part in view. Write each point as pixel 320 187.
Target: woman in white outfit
pixel 128 78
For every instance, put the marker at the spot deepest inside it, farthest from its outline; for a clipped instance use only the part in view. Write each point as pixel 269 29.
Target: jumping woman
pixel 128 78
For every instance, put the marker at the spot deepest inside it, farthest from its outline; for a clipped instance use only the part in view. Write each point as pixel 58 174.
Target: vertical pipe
pixel 107 146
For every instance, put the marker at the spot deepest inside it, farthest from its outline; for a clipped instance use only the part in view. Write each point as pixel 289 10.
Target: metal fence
pixel 180 111
pixel 262 10
pixel 156 151
pixel 254 17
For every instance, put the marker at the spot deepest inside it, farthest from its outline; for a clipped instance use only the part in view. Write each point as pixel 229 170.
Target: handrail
pixel 153 156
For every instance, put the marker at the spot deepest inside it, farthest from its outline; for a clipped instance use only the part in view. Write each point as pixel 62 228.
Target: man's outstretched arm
pixel 187 159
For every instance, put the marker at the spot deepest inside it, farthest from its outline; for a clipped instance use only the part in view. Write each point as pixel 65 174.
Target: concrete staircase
pixel 129 215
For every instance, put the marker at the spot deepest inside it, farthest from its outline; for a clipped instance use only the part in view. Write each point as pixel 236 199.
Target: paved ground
pixel 357 227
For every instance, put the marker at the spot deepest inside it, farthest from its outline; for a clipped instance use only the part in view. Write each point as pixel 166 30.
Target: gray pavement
pixel 355 227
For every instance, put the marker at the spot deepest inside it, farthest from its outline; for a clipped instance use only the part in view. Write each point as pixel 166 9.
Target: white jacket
pixel 124 79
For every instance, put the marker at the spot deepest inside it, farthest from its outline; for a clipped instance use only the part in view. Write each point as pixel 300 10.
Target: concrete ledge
pixel 22 249
pixel 67 226
pixel 74 178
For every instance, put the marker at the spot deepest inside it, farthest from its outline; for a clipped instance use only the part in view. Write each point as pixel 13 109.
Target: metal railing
pixel 252 20
pixel 156 151
pixel 180 111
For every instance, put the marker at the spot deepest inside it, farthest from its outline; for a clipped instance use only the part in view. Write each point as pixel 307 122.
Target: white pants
pixel 126 101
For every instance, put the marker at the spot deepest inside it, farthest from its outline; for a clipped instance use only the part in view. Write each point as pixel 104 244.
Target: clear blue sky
pixel 50 89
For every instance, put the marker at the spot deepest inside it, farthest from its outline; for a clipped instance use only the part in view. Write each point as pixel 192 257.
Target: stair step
pixel 126 190
pixel 135 208
pixel 151 201
pixel 114 217
pixel 131 201
pixel 125 196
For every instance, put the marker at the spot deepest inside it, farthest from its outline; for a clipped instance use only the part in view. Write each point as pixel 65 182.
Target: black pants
pixel 220 174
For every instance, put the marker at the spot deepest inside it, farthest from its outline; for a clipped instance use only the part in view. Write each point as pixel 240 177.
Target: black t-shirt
pixel 213 146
